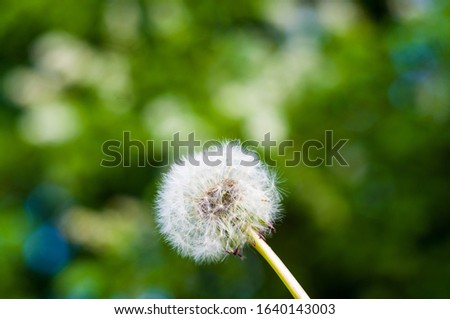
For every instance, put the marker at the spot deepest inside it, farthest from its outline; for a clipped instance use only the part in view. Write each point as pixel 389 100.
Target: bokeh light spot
pixel 46 251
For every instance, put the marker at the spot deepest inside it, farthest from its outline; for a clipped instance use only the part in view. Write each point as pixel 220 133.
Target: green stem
pixel 269 255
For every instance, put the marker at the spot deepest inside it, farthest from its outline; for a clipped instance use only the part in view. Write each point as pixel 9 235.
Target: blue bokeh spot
pixel 46 251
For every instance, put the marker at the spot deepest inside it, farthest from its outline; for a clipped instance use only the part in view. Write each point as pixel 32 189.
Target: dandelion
pixel 208 210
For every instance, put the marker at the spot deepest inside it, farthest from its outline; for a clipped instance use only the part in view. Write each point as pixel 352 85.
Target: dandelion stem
pixel 275 262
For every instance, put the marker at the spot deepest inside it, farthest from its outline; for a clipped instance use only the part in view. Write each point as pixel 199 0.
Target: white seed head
pixel 204 211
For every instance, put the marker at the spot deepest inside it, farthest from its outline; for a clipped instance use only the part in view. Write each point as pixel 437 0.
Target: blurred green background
pixel 74 74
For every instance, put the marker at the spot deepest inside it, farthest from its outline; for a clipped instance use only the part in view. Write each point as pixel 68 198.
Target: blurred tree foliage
pixel 76 74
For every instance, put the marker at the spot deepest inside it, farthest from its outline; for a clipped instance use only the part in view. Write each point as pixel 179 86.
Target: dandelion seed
pixel 204 211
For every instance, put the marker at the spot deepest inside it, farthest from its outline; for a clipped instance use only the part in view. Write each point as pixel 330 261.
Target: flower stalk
pixel 278 266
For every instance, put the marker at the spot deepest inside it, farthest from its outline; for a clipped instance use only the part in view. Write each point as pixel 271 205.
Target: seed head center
pixel 218 199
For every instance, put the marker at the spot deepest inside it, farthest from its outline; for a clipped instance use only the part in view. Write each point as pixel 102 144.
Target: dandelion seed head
pixel 204 210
